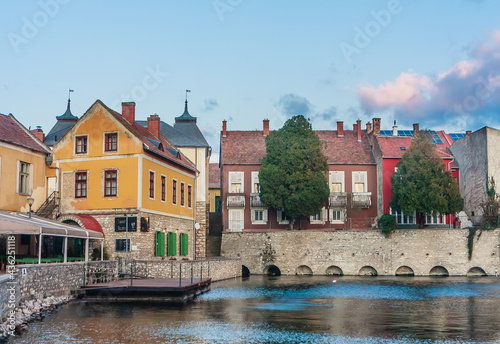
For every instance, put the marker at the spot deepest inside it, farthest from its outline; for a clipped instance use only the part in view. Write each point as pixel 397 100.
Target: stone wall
pixel 322 251
pixel 201 234
pixel 215 268
pixel 5 283
pixel 143 243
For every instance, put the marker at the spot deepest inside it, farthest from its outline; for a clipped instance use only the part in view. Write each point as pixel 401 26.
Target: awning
pixel 20 223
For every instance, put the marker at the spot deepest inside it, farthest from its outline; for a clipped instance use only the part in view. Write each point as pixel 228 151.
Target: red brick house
pixel 352 179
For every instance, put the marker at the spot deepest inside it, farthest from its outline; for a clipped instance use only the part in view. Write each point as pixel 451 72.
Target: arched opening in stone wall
pixel 245 272
pixel 404 271
pixel 272 270
pixel 367 271
pixel 303 270
pixel 71 222
pixel 476 272
pixel 439 271
pixel 334 271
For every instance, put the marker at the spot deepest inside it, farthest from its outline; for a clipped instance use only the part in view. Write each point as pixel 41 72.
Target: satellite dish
pixel 196 226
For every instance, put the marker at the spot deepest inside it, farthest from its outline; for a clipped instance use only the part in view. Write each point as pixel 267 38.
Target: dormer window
pixel 111 142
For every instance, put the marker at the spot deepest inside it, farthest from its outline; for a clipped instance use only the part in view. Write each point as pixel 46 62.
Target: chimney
pixel 358 129
pixel 376 126
pixel 355 127
pixel 128 111
pixel 394 129
pixel 340 129
pixel 368 127
pixel 265 124
pixel 468 132
pixel 224 128
pixel 154 125
pixel 415 130
pixel 38 132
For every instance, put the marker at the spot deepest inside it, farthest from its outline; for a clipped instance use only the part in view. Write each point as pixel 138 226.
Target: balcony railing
pixel 338 199
pixel 361 200
pixel 236 201
pixel 255 201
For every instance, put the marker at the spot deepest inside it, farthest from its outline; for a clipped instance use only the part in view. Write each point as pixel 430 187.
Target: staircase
pixel 214 237
pixel 47 208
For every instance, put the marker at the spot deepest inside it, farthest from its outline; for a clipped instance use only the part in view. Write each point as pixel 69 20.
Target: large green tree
pixel 422 184
pixel 293 173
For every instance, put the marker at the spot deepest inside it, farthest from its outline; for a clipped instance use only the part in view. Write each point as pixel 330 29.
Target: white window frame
pixel 360 177
pixel 336 177
pixel 279 217
pixel 324 217
pixel 255 180
pixel 342 215
pixel 29 181
pixel 264 216
pixel 236 177
pixel 403 217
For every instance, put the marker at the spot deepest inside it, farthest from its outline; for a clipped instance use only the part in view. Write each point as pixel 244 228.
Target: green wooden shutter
pixel 160 244
pixel 172 244
pixel 184 244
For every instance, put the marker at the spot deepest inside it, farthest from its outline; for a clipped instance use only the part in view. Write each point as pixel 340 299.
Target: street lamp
pixel 30 203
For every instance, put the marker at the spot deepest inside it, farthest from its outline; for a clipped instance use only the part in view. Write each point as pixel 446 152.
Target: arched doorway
pixel 439 271
pixel 272 270
pixel 367 271
pixel 404 271
pixel 304 270
pixel 334 271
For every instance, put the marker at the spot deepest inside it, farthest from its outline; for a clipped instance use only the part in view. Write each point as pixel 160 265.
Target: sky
pixel 436 63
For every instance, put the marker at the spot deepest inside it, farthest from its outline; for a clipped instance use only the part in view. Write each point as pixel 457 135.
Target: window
pixel 337 216
pixel 174 191
pixel 236 182
pixel 111 142
pixel 163 188
pixel 319 218
pixel 282 219
pixel 151 184
pixel 336 179
pixel 259 216
pixel 255 182
pixel 24 177
pixel 81 184
pixel 184 244
pixel 403 219
pixel 110 183
pixel 122 245
pixel 182 194
pixel 81 145
pixel 190 192
pixel 172 244
pixel 359 181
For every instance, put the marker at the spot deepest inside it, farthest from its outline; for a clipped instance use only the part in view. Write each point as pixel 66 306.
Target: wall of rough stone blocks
pixel 215 268
pixel 419 249
pixel 201 234
pixel 6 284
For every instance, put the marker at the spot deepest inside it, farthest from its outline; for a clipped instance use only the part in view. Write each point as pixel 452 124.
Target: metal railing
pixel 361 199
pixel 49 205
pixel 236 201
pixel 255 200
pixel 338 199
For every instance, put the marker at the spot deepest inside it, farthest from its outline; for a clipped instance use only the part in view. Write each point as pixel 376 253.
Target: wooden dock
pixel 151 289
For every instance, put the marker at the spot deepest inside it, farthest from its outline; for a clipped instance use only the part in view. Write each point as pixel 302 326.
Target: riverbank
pixel 17 319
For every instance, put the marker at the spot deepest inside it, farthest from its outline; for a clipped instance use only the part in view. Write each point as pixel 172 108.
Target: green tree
pixel 422 184
pixel 491 208
pixel 293 173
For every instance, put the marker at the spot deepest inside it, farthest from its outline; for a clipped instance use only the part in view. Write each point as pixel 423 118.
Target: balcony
pixel 338 199
pixel 236 200
pixel 361 200
pixel 255 201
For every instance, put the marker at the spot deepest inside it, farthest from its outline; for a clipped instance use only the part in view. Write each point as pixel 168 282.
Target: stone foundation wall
pixel 5 293
pixel 201 234
pixel 143 243
pixel 215 268
pixel 419 249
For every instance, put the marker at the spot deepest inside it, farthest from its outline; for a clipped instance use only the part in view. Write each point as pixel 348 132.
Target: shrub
pixel 387 223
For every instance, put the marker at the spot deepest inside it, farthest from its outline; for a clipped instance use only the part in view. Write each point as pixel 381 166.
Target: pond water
pixel 293 309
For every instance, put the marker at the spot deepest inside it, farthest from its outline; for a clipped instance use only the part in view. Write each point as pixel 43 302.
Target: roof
pixel 249 147
pixel 179 138
pixel 13 132
pixel 186 124
pixel 64 123
pixel 213 176
pixel 19 223
pixel 166 150
pixel 392 147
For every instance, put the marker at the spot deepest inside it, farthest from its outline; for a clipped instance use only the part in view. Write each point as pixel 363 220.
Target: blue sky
pixel 432 62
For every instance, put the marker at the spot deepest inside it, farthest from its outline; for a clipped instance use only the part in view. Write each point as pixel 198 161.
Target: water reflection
pixel 294 309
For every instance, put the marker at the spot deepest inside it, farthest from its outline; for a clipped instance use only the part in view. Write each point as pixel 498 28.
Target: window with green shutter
pixel 172 244
pixel 184 244
pixel 160 244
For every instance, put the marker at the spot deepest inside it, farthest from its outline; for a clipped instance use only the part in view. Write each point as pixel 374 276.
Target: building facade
pixel 133 181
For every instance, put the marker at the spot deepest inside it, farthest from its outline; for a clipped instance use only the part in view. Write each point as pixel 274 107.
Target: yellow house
pixel 130 179
pixel 22 166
